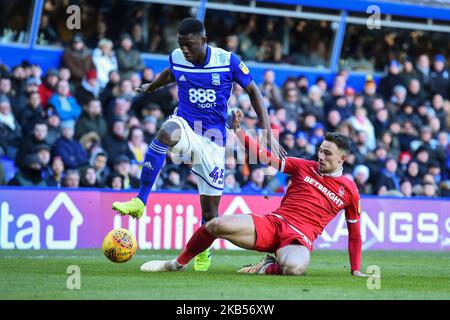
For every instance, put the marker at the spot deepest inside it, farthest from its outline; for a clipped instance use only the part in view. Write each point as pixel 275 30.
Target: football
pixel 119 245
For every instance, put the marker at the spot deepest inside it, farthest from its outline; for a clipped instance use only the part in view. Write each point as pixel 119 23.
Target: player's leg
pixel 168 136
pixel 210 210
pixel 293 259
pixel 238 229
pixel 209 168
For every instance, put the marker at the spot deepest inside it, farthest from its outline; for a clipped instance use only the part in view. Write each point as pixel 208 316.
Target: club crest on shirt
pixel 215 79
pixel 341 191
pixel 244 68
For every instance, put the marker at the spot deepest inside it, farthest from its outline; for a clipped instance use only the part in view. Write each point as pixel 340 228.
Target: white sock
pixel 176 265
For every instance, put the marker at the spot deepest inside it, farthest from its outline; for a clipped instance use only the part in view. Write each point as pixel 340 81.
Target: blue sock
pixel 154 159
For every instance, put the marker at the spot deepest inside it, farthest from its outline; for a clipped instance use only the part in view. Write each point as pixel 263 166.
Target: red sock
pixel 200 241
pixel 273 268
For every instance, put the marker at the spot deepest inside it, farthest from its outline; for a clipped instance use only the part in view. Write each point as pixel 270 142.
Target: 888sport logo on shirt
pixel 204 98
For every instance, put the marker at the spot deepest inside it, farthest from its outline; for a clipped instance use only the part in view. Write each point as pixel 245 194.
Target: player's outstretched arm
pixel 354 248
pixel 164 78
pixel 257 151
pixel 267 138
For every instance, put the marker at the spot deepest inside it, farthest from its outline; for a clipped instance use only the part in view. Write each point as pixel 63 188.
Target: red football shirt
pixel 313 200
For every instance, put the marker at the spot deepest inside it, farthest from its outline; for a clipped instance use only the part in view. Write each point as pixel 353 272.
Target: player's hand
pixel 237 118
pixel 269 141
pixel 143 88
pixel 357 273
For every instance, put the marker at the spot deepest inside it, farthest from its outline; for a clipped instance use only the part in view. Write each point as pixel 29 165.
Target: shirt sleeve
pixel 240 72
pixel 353 210
pixel 292 165
pixel 352 215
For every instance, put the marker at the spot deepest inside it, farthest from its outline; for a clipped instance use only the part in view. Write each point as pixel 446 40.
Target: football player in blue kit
pixel 205 77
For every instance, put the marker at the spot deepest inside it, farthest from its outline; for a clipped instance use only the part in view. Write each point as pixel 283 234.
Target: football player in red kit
pixel 318 192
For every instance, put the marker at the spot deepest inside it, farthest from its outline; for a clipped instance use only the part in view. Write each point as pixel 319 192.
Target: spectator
pixel 380 122
pixel 65 105
pixel 115 181
pixel 89 89
pixel 360 122
pixel 397 99
pixel 422 157
pixel 408 72
pixel 406 188
pixel 128 59
pixel 388 177
pixel 190 183
pixel 70 150
pixel 415 96
pixel 53 126
pixel 116 143
pixel 407 135
pixel 109 93
pixel 88 178
pixel 10 130
pixel 43 152
pixel 333 120
pixel 256 182
pixel 392 79
pixel 270 89
pixel 437 104
pixel 30 175
pixel 104 60
pixel 77 58
pixel 412 173
pixel 230 184
pixel 55 180
pixel 423 69
pixel 27 145
pixel 48 86
pixel 315 104
pixel 439 78
pixel 429 190
pixel 91 120
pixel 21 99
pixel 435 170
pixel 98 161
pixel 64 74
pixel 150 127
pixel 173 180
pixel 137 145
pixel 122 165
pixel 121 109
pixel 32 113
pixel 361 174
pixel 71 179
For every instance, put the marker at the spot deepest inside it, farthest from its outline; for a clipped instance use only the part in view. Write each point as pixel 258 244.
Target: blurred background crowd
pixel 83 125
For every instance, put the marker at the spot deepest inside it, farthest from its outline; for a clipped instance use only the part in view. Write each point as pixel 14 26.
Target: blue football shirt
pixel 204 90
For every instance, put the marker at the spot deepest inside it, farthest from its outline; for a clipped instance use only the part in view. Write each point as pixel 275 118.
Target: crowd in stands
pixel 84 125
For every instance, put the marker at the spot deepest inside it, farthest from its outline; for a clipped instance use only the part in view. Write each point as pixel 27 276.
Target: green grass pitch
pixel 43 275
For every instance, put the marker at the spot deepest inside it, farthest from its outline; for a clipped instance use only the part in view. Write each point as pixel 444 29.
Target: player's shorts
pixel 207 157
pixel 273 233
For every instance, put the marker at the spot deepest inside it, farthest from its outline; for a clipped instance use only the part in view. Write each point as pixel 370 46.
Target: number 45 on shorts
pixel 217 174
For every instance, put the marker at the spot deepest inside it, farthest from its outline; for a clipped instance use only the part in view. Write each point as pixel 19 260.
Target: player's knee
pixel 213 227
pixel 294 268
pixel 169 134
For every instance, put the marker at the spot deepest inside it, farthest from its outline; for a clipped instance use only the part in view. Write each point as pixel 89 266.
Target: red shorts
pixel 273 233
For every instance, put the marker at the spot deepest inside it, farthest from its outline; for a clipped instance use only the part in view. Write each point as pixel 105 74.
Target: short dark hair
pixel 341 141
pixel 191 26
